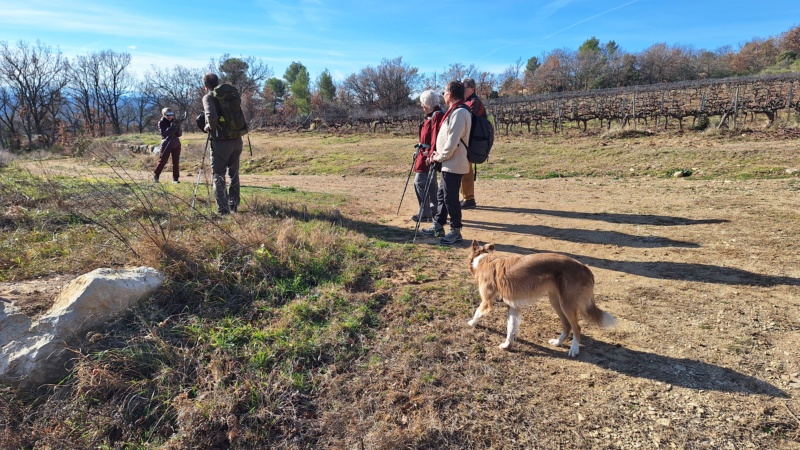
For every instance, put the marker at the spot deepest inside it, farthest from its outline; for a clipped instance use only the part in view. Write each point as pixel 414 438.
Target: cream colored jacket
pixel 450 151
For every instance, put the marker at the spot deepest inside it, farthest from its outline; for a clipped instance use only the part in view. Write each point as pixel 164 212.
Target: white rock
pixel 36 353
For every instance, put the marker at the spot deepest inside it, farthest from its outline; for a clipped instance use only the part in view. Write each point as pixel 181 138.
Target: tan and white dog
pixel 521 280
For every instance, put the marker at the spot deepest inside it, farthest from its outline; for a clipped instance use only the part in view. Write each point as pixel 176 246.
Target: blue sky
pixel 347 36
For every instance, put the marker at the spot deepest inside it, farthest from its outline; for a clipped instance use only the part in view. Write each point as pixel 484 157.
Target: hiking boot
pixel 155 178
pixel 415 218
pixel 452 237
pixel 468 204
pixel 175 181
pixel 435 230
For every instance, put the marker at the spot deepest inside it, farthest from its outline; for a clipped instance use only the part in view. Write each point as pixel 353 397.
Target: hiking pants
pixel 426 200
pixel 225 157
pixel 175 152
pixel 468 184
pixel 447 200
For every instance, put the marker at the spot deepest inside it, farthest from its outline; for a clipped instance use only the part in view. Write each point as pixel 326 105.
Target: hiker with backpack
pixel 451 152
pixel 170 145
pixel 468 181
pixel 425 184
pixel 224 123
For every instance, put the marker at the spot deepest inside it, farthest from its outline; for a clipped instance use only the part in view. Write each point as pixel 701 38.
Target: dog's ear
pixel 474 244
pixel 489 247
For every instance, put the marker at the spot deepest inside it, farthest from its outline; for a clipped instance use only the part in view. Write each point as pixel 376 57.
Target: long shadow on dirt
pixel 681 372
pixel 633 219
pixel 666 270
pixel 582 235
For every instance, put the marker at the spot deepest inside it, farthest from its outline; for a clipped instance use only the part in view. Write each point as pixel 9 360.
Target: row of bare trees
pixel 596 65
pixel 46 99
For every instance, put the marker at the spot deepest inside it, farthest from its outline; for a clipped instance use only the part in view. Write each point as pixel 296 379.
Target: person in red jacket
pixel 170 145
pixel 430 101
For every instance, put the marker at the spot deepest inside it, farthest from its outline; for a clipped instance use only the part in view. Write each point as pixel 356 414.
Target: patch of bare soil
pixel 703 277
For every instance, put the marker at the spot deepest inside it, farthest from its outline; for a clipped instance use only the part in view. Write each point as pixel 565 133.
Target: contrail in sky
pixel 567 28
pixel 590 18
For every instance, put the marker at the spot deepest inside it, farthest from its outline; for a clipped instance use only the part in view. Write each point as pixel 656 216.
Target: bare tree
pixel 394 84
pixel 8 119
pixel 511 79
pixel 359 89
pixel 114 83
pixel 661 63
pixel 387 87
pixel 458 71
pixel 755 56
pixel 82 89
pixel 556 73
pixel 716 64
pixel 180 88
pixel 141 107
pixel 485 85
pixel 35 75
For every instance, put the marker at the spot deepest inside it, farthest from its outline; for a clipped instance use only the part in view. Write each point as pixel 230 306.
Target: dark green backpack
pixel 231 118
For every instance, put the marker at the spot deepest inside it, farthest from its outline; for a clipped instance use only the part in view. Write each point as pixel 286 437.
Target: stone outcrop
pixel 36 352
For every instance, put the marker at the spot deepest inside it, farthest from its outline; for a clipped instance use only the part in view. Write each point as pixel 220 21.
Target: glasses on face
pixel 170 114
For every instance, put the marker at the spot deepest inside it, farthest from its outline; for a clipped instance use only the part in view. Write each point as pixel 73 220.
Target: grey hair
pixel 430 98
pixel 468 83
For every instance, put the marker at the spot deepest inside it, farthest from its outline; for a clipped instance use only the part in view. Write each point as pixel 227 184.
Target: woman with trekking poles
pixel 425 184
pixel 170 145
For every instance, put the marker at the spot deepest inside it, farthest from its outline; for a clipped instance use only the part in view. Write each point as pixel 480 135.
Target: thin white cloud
pixel 590 18
pixel 552 8
pixel 80 18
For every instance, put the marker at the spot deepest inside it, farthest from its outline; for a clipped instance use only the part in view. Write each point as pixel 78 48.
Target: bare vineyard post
pixel 634 110
pixel 558 108
pixel 789 104
pixel 735 106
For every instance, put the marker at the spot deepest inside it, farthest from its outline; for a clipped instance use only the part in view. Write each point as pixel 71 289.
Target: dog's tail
pixel 600 317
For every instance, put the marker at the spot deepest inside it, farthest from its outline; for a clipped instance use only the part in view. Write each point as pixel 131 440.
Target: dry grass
pixel 300 324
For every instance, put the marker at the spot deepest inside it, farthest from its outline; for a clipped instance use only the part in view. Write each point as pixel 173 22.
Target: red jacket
pixel 476 105
pixel 428 130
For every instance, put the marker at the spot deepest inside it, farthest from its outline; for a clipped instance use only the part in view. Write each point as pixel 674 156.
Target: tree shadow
pixel 633 219
pixel 582 236
pixel 666 270
pixel 683 372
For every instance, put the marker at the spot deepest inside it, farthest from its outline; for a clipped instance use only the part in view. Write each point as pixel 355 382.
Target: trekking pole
pixel 251 147
pixel 413 158
pixel 200 171
pixel 431 176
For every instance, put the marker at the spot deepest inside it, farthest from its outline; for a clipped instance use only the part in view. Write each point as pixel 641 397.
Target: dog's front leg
pixel 479 312
pixel 512 328
pixel 484 307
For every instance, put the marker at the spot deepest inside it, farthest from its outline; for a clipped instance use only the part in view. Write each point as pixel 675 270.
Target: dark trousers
pixel 447 200
pixel 175 152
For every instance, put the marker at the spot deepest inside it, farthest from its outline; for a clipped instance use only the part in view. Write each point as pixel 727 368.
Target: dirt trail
pixel 703 277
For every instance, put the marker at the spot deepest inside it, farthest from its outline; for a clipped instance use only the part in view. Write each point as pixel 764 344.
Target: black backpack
pixel 231 117
pixel 481 138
